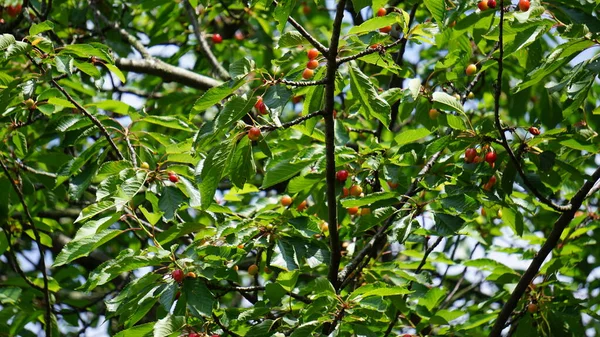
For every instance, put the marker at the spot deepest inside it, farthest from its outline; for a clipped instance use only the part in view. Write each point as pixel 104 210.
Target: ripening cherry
pixel 177 275
pixel 491 3
pixel 532 308
pixel 312 64
pixel 217 38
pixel 145 165
pixel 385 29
pixel 341 175
pixel 392 185
pixel 324 226
pixel 312 53
pixel 365 211
pixel 190 274
pixel 303 206
pixel 193 334
pixel 13 11
pixel 286 200
pixel 355 190
pixel 253 270
pixel 433 113
pixel 306 10
pixel 524 5
pixel 345 192
pixel 307 73
pixel 471 70
pixel 352 210
pixel 254 133
pixel 490 157
pixel 482 5
pixel 534 131
pixel 470 155
pixel 260 106
pixel 173 178
pixel 30 104
pixel 471 95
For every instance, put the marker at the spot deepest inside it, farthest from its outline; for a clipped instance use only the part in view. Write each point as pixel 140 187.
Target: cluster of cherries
pixel 312 64
pixel 386 29
pixel 354 190
pixel 471 156
pixel 487 4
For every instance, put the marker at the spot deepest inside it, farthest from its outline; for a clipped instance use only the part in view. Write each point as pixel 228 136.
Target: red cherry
pixel 217 38
pixel 312 54
pixel 385 29
pixel 173 178
pixel 306 10
pixel 524 5
pixel 341 175
pixel 352 210
pixel 254 133
pixel 392 185
pixel 470 155
pixel 303 205
pixel 490 157
pixel 13 11
pixel 260 106
pixel 345 192
pixel 491 3
pixel 534 131
pixel 381 12
pixel 307 73
pixel 482 5
pixel 177 275
pixel 193 334
pixel 286 200
pixel 312 64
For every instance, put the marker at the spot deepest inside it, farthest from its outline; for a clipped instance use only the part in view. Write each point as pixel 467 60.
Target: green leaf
pixel 291 39
pixel 6 40
pixel 216 94
pixel 375 23
pixel 284 256
pixel 437 9
pixel 213 170
pixel 113 69
pixel 41 27
pixel 199 299
pixel 288 280
pixel 366 94
pixel 443 101
pixel 377 290
pixel 513 219
pixel 446 224
pixel 113 106
pixel 170 200
pixel 94 209
pixel 282 12
pixel 283 168
pixel 409 136
pixel 242 167
pixel 142 330
pixel 84 246
pixel 456 122
pixel 234 110
pixel 168 325
pixel 169 122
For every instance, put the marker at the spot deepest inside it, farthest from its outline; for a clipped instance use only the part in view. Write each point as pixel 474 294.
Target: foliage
pixel 126 155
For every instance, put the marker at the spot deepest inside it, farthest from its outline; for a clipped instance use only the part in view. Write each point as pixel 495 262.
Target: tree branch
pixel 298 83
pixel 167 72
pixel 204 47
pixel 292 123
pixel 334 238
pixel 324 50
pixel 554 237
pixel 500 129
pixel 48 312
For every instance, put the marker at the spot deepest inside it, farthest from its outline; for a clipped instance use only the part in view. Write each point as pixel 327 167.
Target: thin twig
pixel 498 122
pixel 324 50
pixel 204 47
pixel 91 117
pixel 132 40
pixel 292 123
pixel 48 313
pixel 297 83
